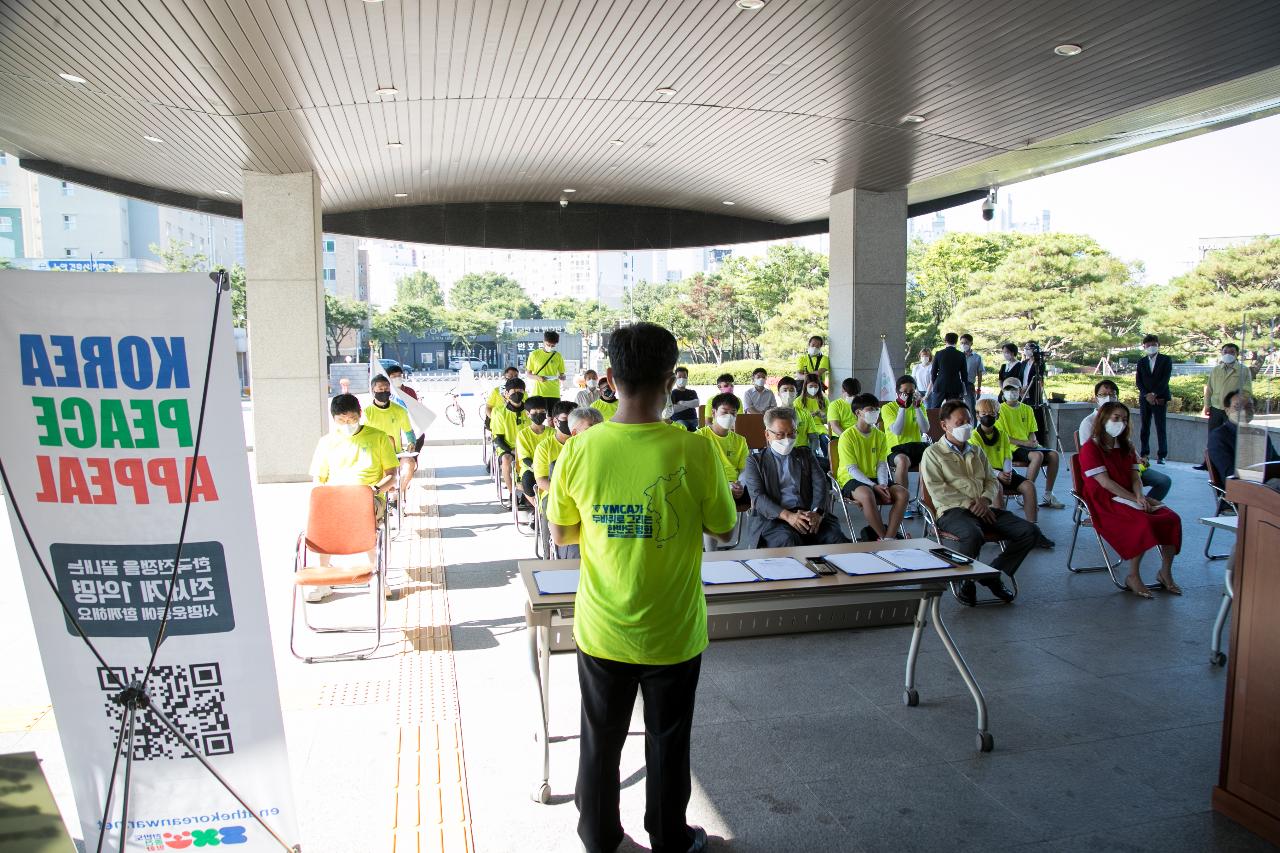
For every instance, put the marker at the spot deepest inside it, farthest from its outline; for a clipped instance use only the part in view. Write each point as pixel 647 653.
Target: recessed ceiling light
pixel 911 119
pixel 819 162
pixel 395 144
pixel 615 141
pixel 569 190
pixel 153 139
pixel 426 171
pixel 728 203
pixel 749 5
pixel 223 192
pixel 1068 49
pixel 664 91
pixel 386 91
pixel 71 78
pixel 401 195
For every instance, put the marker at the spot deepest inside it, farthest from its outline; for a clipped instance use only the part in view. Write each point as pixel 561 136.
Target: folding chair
pixel 837 496
pixel 1083 518
pixel 930 515
pixel 341 521
pixel 751 428
pixel 541 530
pixel 504 493
pixel 1216 655
pixel 1221 506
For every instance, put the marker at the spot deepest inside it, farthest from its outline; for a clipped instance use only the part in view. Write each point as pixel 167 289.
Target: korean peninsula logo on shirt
pixel 657 518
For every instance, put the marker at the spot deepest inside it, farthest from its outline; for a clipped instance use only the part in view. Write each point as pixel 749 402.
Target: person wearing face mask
pixel 636 497
pixel 1154 370
pixel 1239 408
pixel 814 401
pixel 608 402
pixel 974 368
pixel 1104 392
pixel 789 490
pixel 758 398
pixel 732 446
pixel 684 401
pixel 1129 521
pixel 863 472
pixel 1227 375
pixel 906 429
pixel 963 489
pixel 788 395
pixel 840 416
pixel 352 454
pixel 590 388
pixel 1018 421
pixel 498 396
pixel 528 436
pixel 548 450
pixel 545 367
pixel 813 361
pixel 989 438
pixel 505 425
pixel 1009 362
pixel 949 373
pixel 724 385
pixel 392 418
pixel 922 373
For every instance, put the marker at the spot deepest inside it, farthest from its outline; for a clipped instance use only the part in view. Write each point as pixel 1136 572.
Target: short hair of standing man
pixel 642 356
pixel 1151 339
pixel 966 338
pixel 851 386
pixel 951 338
pixel 551 336
pixel 344 404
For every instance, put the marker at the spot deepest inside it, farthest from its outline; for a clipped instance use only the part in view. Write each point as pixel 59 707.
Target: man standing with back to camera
pixel 640 617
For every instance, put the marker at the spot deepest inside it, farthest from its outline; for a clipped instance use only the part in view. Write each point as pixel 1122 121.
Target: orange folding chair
pixel 341 521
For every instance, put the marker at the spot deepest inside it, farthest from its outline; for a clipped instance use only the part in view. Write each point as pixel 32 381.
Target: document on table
pixel 861 563
pixel 727 571
pixel 780 569
pixel 913 559
pixel 557 582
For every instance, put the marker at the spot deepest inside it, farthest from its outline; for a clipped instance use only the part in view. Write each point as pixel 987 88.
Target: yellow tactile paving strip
pixel 430 810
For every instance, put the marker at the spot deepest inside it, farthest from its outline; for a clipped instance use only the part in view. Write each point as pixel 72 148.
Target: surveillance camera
pixel 989 206
pixel 564 202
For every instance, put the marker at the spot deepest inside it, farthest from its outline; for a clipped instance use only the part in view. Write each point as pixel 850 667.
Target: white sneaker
pixel 317 593
pixel 1051 501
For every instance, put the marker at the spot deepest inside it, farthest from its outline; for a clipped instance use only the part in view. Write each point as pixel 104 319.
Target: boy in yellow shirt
pixel 505 425
pixel 386 415
pixel 991 440
pixel 731 445
pixel 813 361
pixel 608 402
pixel 498 396
pixel 528 436
pixel 1018 421
pixel 840 416
pixel 906 425
pixel 863 472
pixel 805 427
pixel 545 367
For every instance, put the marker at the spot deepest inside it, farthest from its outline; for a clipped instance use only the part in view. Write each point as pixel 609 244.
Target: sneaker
pixel 1051 502
pixel 316 594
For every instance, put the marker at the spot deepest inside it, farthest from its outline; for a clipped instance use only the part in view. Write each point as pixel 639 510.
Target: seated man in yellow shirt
pixel 806 429
pixel 498 396
pixel 528 436
pixel 352 455
pixel 991 440
pixel 724 385
pixel 505 425
pixel 386 415
pixel 570 421
pixel 1018 421
pixel 906 426
pixel 733 446
pixel 840 416
pixel 863 472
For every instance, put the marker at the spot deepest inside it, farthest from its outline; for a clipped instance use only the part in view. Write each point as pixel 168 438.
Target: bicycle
pixel 454 411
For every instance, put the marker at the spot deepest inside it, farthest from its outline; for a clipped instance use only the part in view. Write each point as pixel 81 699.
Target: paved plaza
pixel 1105 710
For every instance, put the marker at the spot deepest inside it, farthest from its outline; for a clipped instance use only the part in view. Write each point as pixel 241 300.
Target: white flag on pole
pixel 886 384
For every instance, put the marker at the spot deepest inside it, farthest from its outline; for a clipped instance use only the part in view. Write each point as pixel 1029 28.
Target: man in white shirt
pixel 590 393
pixel 758 399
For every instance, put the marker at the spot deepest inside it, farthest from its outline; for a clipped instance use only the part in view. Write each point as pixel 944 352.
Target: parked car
pixel 476 363
pixel 388 363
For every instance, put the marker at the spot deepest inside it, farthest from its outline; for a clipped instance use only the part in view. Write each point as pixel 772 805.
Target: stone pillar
pixel 285 296
pixel 868 283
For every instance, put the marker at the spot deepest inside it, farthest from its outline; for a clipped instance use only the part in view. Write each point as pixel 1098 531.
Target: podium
pixel 1248 789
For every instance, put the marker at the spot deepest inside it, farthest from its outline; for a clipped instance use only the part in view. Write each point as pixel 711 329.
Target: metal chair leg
pixel 1208 542
pixel 1216 655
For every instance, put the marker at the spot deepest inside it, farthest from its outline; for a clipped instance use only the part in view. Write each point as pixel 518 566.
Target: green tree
pixel 466 326
pixel 420 287
pixel 415 319
pixel 586 316
pixel 1232 290
pixel 179 256
pixel 1064 290
pixel 493 295
pixel 643 301
pixel 787 332
pixel 342 317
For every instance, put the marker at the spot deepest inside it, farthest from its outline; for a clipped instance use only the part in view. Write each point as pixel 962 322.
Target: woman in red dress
pixel 1128 520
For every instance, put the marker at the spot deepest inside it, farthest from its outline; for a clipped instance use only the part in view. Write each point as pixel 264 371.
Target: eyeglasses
pixel 779 434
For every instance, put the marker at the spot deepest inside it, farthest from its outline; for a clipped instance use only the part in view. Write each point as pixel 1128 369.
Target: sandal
pixel 1140 590
pixel 1169 585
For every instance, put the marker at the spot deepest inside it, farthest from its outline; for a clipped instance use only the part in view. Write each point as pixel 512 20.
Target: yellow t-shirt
pixel 543 363
pixel 998 452
pixel 506 423
pixel 353 460
pixel 813 364
pixel 642 494
pixel 393 420
pixel 866 452
pixel 495 400
pixel 606 407
pixel 546 452
pixel 842 413
pixel 910 426
pixel 1018 422
pixel 812 406
pixel 735 450
pixel 527 442
pixel 805 426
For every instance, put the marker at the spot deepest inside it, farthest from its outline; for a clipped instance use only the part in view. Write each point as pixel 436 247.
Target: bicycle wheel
pixel 454 414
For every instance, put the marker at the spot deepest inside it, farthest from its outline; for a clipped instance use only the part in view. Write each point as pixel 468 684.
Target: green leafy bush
pixel 705 374
pixel 1187 391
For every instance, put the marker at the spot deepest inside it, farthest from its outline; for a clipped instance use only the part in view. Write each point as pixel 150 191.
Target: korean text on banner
pixel 105 374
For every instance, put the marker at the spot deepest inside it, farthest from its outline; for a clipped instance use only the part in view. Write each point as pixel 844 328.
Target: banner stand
pixel 134 698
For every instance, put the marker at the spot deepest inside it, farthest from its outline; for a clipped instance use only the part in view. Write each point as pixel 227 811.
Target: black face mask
pixel 987 420
pixel 516 397
pixel 382 397
pixel 606 393
pixel 563 426
pixel 538 418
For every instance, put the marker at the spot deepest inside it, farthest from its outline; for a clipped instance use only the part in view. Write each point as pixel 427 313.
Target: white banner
pixel 104 373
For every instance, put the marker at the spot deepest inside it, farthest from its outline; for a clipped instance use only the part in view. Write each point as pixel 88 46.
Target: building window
pixel 4 159
pixel 330 274
pixel 67 189
pixel 70 252
pixel 328 247
pixel 6 224
pixel 68 222
pixel 4 189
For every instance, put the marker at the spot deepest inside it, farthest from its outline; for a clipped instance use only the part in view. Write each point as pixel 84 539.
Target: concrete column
pixel 285 296
pixel 868 282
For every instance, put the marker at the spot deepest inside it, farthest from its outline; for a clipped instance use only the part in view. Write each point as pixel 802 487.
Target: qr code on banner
pixel 190 695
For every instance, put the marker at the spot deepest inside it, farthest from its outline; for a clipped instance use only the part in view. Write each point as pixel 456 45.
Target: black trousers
pixel 1019 535
pixel 1150 413
pixel 778 534
pixel 608 694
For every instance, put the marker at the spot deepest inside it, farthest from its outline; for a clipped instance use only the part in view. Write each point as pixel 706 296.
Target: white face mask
pixel 965 348
pixel 813 350
pixel 871 416
pixel 961 433
pixel 1151 350
pixel 681 381
pixel 787 397
pixel 1103 400
pixel 813 390
pixel 726 421
pixel 1228 358
pixel 346 429
pixel 759 382
pixel 1114 428
pixel 1010 395
pixel 783 446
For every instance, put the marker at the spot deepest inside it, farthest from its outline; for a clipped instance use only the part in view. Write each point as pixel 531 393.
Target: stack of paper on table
pixel 860 563
pixel 556 581
pixel 780 569
pixel 913 559
pixel 727 571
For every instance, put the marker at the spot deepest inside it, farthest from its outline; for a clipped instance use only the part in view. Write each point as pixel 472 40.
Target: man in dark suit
pixel 789 490
pixel 1239 409
pixel 950 373
pixel 1153 395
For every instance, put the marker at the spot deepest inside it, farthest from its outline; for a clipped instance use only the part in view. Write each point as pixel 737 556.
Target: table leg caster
pixel 986 742
pixel 910 697
pixel 1218 658
pixel 542 794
